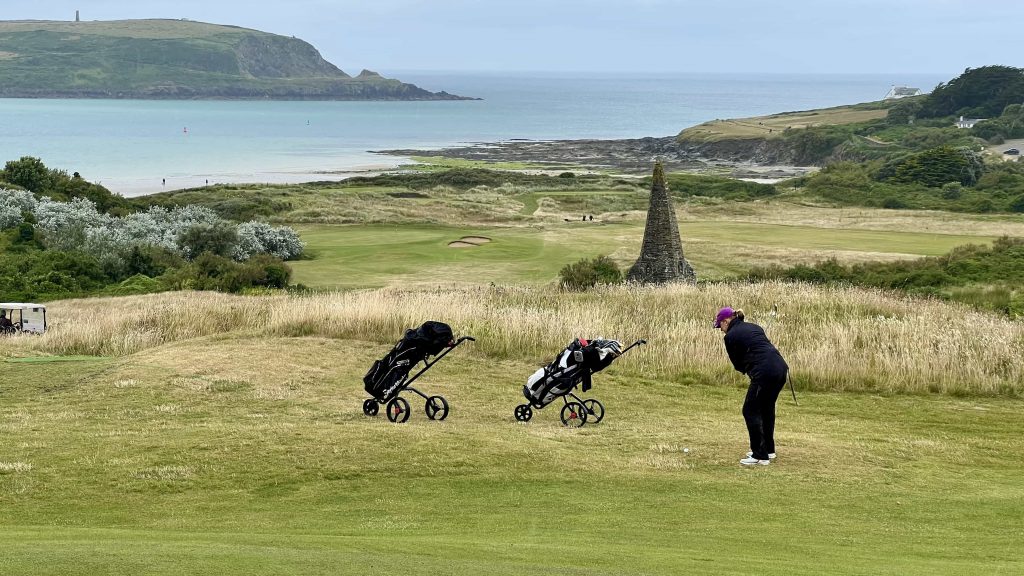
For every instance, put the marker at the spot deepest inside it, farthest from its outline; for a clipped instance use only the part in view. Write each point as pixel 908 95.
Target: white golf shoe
pixel 754 462
pixel 771 456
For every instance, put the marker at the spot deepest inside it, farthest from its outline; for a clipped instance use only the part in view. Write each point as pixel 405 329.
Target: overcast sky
pixel 810 36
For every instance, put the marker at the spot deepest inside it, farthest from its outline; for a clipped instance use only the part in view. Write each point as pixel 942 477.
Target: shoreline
pixel 135 187
pixel 619 157
pixel 627 156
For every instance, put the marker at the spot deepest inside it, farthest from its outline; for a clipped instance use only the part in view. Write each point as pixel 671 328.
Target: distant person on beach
pixel 163 181
pixel 753 354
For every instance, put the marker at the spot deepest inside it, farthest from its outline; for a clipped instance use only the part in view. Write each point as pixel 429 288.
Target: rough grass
pixel 834 339
pixel 247 453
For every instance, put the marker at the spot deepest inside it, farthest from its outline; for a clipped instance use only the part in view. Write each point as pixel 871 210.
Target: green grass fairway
pixel 379 255
pixel 254 457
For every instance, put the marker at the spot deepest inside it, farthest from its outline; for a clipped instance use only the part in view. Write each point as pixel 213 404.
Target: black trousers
pixel 759 411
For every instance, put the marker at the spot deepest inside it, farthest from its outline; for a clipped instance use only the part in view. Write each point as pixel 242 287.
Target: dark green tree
pixel 936 167
pixel 30 173
pixel 904 112
pixel 980 92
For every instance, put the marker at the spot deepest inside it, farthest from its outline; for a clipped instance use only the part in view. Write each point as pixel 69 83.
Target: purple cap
pixel 723 315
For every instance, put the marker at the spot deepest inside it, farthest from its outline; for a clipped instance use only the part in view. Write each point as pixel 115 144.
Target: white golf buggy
pixel 19 318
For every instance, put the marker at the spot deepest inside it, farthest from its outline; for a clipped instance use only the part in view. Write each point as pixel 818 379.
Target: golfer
pixel 754 355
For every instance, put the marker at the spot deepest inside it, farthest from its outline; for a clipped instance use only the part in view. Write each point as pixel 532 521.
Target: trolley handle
pixel 633 345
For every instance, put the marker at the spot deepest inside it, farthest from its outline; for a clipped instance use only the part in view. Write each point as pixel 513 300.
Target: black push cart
pixel 389 376
pixel 571 368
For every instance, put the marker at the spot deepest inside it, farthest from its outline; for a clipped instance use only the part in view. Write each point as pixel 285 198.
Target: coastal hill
pixel 177 59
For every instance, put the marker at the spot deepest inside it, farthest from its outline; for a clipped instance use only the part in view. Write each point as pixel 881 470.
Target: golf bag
pixel 572 366
pixel 387 375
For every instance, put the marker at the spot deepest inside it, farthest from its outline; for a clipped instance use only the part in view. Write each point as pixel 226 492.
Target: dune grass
pixel 835 339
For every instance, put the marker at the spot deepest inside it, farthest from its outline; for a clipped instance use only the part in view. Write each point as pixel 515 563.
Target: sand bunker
pixel 469 242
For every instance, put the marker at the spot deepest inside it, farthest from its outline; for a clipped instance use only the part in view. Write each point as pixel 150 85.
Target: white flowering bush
pixel 64 224
pixel 13 204
pixel 261 238
pixel 78 225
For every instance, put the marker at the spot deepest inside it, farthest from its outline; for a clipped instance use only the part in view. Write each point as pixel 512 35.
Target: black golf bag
pixel 571 367
pixel 388 375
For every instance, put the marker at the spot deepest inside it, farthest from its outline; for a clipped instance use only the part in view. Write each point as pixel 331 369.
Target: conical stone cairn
pixel 661 257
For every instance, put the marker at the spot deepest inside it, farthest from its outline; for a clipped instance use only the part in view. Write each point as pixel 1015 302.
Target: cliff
pixel 177 59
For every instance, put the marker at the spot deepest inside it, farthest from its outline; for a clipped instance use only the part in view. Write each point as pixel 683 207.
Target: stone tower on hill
pixel 661 257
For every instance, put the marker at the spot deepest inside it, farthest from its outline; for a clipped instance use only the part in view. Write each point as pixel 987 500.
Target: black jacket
pixel 751 352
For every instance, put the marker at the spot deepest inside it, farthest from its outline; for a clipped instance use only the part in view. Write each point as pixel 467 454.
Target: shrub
pixel 259 238
pixel 219 238
pixel 811 146
pixel 26 234
pixel 15 205
pixel 1017 205
pixel 983 205
pixel 30 173
pixel 715 187
pixel 937 167
pixel 893 203
pixel 952 190
pixel 1016 306
pixel 137 284
pixel 588 273
pixel 212 272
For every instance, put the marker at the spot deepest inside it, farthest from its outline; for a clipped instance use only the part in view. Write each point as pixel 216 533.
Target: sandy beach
pixel 131 187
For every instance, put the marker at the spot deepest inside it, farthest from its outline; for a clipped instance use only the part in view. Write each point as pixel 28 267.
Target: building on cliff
pixel 897 92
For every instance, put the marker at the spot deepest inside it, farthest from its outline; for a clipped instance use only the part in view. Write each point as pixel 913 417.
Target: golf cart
pixel 19 317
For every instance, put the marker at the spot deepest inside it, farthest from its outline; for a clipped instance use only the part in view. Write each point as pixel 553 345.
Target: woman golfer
pixel 754 355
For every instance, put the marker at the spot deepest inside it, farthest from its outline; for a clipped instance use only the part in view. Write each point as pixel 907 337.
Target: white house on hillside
pixel 897 92
pixel 967 123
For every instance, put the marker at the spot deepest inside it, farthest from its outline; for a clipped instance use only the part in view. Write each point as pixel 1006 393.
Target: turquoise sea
pixel 132 146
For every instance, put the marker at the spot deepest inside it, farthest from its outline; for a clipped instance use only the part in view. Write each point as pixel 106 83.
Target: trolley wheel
pixel 370 407
pixel 524 413
pixel 595 410
pixel 436 408
pixel 398 410
pixel 574 415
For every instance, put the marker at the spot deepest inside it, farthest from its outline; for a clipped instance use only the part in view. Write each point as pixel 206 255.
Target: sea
pixel 136 147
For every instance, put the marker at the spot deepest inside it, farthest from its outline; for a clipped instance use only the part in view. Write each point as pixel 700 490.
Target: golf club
pixel 789 377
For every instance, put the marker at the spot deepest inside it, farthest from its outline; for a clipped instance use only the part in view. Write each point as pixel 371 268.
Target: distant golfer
pixel 754 355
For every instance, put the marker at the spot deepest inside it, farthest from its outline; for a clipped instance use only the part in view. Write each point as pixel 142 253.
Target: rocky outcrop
pixel 631 156
pixel 761 151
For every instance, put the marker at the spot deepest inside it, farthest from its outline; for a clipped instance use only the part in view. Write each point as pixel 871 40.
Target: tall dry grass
pixel 834 339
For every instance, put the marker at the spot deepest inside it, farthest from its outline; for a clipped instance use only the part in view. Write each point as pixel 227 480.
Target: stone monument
pixel 661 257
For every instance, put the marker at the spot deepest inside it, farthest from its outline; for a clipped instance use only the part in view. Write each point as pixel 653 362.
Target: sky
pixel 608 36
